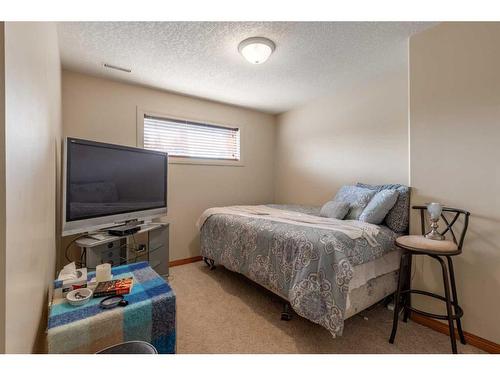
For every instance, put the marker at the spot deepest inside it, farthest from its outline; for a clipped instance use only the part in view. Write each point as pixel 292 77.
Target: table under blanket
pixel 149 316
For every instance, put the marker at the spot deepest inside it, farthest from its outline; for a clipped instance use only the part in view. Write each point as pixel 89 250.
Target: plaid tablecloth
pixel 149 316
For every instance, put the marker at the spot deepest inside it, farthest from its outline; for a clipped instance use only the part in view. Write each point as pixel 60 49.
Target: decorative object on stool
pixel 421 245
pixel 435 211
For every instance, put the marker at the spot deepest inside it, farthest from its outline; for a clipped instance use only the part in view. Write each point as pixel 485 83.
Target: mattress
pixel 370 293
pixel 372 282
pixel 378 267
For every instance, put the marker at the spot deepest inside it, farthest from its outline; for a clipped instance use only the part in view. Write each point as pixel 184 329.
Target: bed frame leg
pixel 387 300
pixel 286 314
pixel 209 262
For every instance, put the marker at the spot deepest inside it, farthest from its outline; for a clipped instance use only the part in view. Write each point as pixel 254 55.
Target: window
pixel 188 139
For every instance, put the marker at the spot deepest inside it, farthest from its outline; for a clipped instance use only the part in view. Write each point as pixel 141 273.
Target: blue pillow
pixel 398 217
pixel 334 210
pixel 379 206
pixel 357 197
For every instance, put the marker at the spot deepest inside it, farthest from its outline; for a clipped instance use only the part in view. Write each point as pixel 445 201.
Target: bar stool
pixel 419 245
pixel 130 347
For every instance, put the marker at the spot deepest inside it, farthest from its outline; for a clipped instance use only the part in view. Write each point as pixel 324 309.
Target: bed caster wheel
pixel 286 316
pixel 210 263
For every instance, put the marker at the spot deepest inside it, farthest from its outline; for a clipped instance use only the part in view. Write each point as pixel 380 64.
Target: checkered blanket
pixel 149 316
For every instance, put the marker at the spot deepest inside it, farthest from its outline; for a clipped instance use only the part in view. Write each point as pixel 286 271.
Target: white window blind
pixel 189 139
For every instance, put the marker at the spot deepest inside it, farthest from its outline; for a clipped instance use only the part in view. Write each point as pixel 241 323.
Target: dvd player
pixel 125 230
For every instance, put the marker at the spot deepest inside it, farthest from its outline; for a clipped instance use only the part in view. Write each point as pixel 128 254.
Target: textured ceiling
pixel 201 58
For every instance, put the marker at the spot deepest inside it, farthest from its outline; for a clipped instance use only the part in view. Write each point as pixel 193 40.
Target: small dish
pixel 79 297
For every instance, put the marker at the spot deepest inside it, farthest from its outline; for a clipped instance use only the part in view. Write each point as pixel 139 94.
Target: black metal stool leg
pixel 407 297
pixel 448 304
pixel 397 298
pixel 455 300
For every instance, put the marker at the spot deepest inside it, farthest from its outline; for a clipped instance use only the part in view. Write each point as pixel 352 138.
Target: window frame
pixel 187 160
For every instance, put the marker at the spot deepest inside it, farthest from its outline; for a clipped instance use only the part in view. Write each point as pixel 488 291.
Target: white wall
pixel 455 154
pixel 2 190
pixel 33 130
pixel 356 134
pixel 105 110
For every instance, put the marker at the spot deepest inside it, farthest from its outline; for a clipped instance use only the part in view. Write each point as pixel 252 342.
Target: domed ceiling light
pixel 256 50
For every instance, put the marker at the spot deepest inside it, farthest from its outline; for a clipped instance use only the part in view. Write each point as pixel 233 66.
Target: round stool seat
pixel 424 245
pixel 130 347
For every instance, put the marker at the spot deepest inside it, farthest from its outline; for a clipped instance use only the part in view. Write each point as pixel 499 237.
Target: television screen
pixel 104 180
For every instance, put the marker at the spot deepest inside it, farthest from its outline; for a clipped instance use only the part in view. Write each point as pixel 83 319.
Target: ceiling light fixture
pixel 117 68
pixel 256 50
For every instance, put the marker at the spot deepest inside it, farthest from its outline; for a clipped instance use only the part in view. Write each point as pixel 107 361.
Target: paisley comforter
pixel 310 266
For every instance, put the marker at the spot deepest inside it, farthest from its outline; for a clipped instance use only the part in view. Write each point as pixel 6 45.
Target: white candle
pixel 103 272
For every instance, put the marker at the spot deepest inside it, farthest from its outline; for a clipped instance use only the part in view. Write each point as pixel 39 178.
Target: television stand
pixel 149 243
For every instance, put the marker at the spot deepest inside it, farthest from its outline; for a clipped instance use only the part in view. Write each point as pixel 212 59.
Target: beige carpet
pixel 223 312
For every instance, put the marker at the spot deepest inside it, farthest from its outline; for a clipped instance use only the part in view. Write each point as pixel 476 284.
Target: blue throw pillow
pixel 379 206
pixel 357 197
pixel 334 210
pixel 398 217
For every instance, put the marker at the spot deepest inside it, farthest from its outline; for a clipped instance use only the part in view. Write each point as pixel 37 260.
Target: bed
pixel 327 269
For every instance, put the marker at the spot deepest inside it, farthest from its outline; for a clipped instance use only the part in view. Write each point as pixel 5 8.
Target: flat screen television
pixel 104 184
